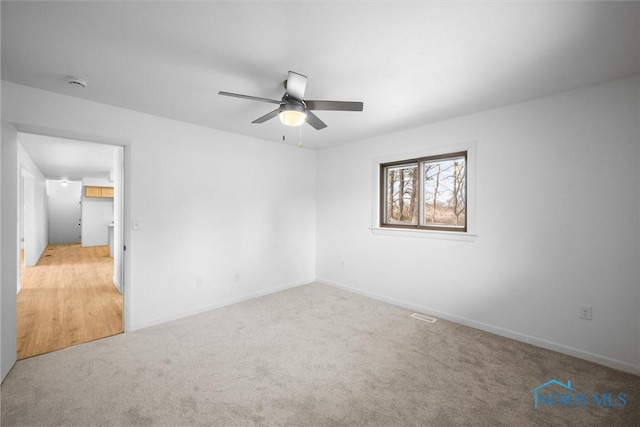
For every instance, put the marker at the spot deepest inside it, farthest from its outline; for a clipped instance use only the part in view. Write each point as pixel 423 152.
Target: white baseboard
pixel 175 316
pixel 538 342
pixel 117 285
pixel 44 248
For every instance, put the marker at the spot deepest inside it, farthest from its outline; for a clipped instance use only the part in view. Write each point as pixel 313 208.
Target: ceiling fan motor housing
pixel 292 105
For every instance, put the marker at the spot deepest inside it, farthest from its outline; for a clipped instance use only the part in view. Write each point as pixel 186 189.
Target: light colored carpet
pixel 312 355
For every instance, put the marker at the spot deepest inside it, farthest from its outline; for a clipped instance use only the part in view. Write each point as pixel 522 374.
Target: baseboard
pixel 44 248
pixel 175 316
pixel 117 285
pixel 507 333
pixel 19 284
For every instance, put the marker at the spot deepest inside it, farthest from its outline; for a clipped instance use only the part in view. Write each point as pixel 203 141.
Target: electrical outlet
pixel 342 265
pixel 236 277
pixel 585 312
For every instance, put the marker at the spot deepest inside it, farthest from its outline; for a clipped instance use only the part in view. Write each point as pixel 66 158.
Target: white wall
pixel 64 211
pixel 36 215
pixel 210 205
pixel 9 262
pixel 97 214
pixel 98 182
pixel 21 213
pixel 555 231
pixel 557 221
pixel 118 234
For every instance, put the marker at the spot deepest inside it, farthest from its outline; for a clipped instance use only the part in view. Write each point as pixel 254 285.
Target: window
pixel 425 193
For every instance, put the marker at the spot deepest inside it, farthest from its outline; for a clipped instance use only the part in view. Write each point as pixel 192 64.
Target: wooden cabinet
pixel 92 191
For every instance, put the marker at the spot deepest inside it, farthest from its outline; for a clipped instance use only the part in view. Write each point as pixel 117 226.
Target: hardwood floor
pixel 68 298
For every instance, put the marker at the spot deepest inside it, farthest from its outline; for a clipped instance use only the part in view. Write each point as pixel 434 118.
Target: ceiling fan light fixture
pixel 292 117
pixel 292 113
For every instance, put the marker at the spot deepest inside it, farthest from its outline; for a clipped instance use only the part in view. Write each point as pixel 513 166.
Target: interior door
pixel 64 211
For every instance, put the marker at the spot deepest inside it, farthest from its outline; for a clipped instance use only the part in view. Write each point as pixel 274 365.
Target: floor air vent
pixel 424 318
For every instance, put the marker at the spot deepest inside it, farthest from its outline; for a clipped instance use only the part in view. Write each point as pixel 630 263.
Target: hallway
pixel 68 298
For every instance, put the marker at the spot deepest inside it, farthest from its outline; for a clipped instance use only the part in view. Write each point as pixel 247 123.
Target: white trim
pixel 424 234
pixel 517 336
pixel 471 233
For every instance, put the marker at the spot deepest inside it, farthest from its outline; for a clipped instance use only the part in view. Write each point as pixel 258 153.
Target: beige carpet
pixel 312 355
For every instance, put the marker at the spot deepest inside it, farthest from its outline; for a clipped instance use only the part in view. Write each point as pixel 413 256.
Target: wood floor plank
pixel 68 298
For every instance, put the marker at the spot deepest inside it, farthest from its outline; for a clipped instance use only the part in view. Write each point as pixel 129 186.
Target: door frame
pixel 121 168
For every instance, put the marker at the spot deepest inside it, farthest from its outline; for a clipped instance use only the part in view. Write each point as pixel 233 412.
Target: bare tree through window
pixel 444 192
pixel 402 195
pixel 426 193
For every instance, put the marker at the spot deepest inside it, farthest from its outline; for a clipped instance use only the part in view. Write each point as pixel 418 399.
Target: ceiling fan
pixel 292 109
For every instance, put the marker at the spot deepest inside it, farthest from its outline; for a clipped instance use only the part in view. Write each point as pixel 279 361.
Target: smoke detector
pixel 76 81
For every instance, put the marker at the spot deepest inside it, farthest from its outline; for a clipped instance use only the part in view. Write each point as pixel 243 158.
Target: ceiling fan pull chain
pixel 299 136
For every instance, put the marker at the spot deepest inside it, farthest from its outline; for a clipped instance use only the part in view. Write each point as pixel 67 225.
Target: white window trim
pixel 470 235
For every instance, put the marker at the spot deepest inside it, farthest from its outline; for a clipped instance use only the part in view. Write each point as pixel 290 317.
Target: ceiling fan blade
pixel 252 98
pixel 267 116
pixel 334 105
pixel 314 121
pixel 296 85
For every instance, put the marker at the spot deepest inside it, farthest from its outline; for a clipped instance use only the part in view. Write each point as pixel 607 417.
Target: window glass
pixel 444 186
pixel 429 193
pixel 401 194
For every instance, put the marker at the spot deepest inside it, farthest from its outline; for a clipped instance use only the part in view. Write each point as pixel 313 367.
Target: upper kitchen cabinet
pixel 92 191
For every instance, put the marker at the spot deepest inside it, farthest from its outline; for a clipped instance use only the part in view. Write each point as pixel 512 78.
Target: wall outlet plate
pixel 585 312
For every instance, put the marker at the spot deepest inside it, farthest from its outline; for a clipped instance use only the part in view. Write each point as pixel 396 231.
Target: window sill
pixel 425 234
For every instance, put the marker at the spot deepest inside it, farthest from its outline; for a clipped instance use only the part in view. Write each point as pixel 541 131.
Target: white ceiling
pixel 59 158
pixel 411 63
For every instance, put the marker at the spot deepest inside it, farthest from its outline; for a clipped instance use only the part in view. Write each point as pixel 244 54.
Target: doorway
pixel 65 211
pixel 73 291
